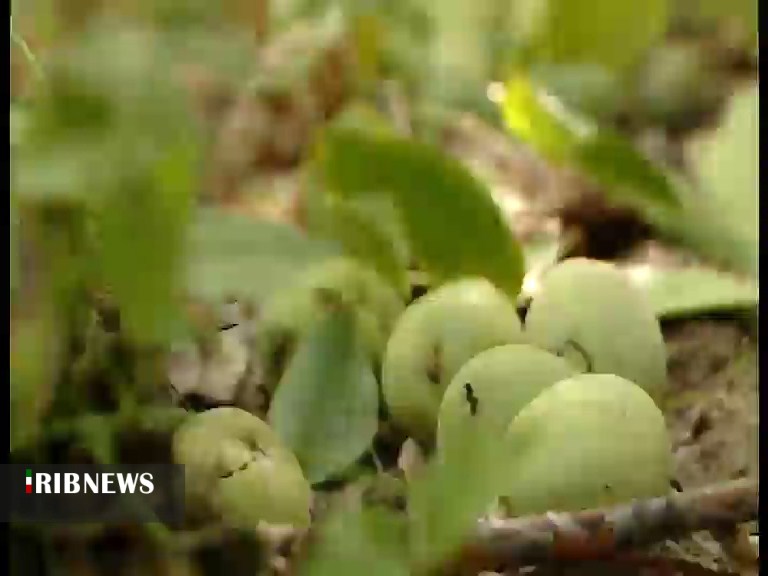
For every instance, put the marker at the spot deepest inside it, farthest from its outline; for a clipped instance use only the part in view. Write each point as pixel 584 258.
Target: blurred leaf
pixel 460 48
pixel 173 14
pixel 96 436
pixel 14 248
pixel 675 292
pixel 17 123
pixel 360 115
pixel 382 208
pixel 44 308
pixel 326 404
pixel 726 165
pixel 229 54
pixel 233 255
pixel 111 136
pixel 362 236
pixel 29 56
pixel 35 358
pixel 614 34
pixel 723 225
pixel 589 88
pixel 434 194
pixel 677 84
pixel 740 15
pixel 367 227
pixel 540 119
pixel 624 172
pixel 141 232
pixel 359 541
pixel 458 487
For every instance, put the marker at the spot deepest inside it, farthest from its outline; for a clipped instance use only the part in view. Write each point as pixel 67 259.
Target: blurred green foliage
pixel 355 541
pixel 726 166
pixel 231 255
pixel 611 34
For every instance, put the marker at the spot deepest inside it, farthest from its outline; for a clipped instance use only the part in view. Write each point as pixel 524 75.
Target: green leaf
pixel 96 436
pixel 18 123
pixel 141 227
pixel 233 255
pixel 726 165
pixel 326 404
pixel 34 361
pixel 362 236
pixel 537 118
pixel 359 541
pixel 614 34
pixel 624 172
pixel 461 45
pixel 543 121
pixel 111 136
pixel 455 491
pixel 434 195
pixel 676 292
pixel 721 222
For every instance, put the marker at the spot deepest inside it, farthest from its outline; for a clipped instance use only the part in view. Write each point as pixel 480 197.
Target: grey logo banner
pixel 93 493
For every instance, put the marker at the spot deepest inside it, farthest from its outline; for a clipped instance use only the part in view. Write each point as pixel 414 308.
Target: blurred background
pixel 175 164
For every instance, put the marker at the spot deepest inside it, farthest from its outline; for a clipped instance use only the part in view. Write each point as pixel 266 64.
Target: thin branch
pixel 601 533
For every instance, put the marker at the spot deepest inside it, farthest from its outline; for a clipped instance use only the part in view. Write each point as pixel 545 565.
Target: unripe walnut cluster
pixel 569 402
pixel 433 338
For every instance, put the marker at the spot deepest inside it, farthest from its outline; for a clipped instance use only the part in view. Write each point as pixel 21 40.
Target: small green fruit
pixel 238 469
pixel 433 338
pixel 678 85
pixel 588 311
pixel 587 441
pixel 488 391
pixel 288 316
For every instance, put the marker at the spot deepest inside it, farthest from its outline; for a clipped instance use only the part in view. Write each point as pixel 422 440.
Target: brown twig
pixel 601 533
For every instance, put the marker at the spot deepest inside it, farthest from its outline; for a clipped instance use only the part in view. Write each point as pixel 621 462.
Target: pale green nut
pixel 287 316
pixel 677 83
pixel 588 441
pixel 236 468
pixel 433 338
pixel 587 311
pixel 488 392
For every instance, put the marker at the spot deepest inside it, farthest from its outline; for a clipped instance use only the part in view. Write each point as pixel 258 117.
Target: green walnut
pixel 488 391
pixel 587 441
pixel 678 85
pixel 587 311
pixel 237 469
pixel 432 339
pixel 287 316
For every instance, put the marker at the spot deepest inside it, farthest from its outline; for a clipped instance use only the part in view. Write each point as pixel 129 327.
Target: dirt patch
pixel 712 412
